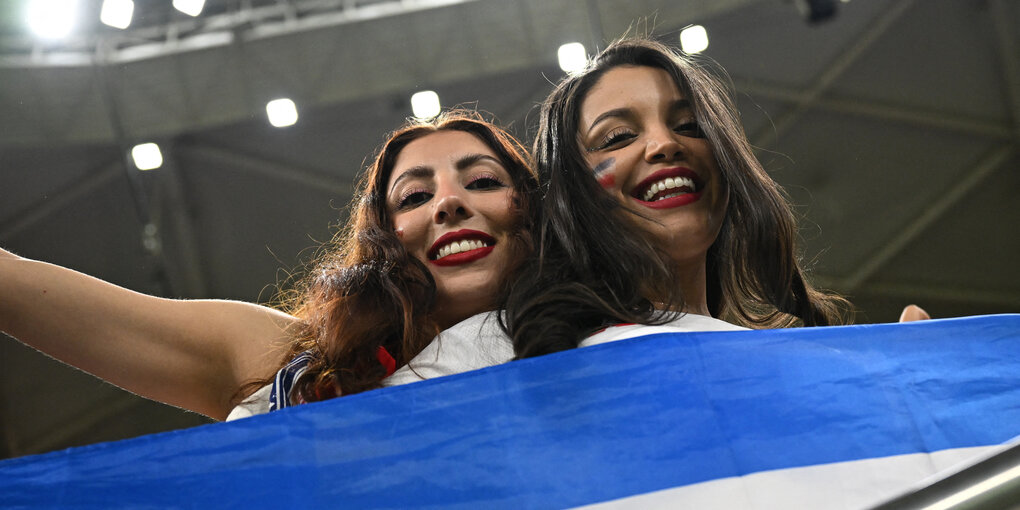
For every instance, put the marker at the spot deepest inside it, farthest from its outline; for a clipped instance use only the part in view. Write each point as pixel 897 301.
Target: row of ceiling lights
pixel 425 104
pixel 56 19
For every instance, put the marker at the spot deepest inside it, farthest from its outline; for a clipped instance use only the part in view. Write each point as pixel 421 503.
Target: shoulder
pixel 256 403
pixel 476 342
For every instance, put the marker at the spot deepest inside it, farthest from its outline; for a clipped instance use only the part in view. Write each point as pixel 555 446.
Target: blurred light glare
pixel 147 156
pixel 573 57
pixel 51 19
pixel 117 13
pixel 189 7
pixel 282 112
pixel 425 104
pixel 694 39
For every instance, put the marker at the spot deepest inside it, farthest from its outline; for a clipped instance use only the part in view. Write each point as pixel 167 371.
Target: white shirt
pixel 479 342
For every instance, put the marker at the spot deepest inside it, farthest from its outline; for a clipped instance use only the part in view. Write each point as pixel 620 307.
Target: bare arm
pixel 191 354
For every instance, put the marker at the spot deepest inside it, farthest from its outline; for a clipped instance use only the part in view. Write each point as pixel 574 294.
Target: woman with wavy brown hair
pixel 437 222
pixel 643 160
pixel 386 284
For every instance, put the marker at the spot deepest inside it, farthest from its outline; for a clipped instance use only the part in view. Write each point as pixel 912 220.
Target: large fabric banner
pixel 841 417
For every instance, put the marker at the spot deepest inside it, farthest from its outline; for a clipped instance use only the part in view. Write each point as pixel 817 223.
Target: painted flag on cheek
pixel 604 173
pixel 842 417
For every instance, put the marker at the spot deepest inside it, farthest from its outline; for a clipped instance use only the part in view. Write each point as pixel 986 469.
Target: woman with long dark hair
pixel 439 219
pixel 643 160
pixel 654 212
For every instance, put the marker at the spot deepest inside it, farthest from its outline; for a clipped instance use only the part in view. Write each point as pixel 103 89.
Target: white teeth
pixel 459 247
pixel 669 183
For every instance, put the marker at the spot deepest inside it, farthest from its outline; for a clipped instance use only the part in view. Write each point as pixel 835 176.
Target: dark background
pixel 894 126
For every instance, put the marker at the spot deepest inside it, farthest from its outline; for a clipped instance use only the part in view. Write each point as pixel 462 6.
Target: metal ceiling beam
pixel 884 112
pixel 939 206
pixel 248 23
pixel 54 202
pixel 311 178
pixel 836 69
pixel 186 258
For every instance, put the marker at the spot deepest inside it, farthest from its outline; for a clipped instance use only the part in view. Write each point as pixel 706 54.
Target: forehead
pixel 629 87
pixel 439 149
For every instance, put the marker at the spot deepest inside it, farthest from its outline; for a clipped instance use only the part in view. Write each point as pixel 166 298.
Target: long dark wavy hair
pixel 366 291
pixel 754 275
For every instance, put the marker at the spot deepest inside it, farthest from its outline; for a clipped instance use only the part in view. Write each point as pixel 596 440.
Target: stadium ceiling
pixel 894 126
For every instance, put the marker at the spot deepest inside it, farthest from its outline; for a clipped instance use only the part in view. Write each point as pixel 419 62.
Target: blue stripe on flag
pixel 577 427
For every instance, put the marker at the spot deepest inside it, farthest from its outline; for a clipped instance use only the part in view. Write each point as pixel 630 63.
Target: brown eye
pixel 691 129
pixel 485 183
pixel 615 137
pixel 414 199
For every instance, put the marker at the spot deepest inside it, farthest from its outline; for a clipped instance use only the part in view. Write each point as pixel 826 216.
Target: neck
pixel 691 277
pixel 448 316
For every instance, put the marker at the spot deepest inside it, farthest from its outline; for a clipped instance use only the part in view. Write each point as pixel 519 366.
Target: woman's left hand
pixel 914 313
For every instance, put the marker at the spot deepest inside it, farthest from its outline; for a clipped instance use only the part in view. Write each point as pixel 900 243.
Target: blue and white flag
pixel 841 417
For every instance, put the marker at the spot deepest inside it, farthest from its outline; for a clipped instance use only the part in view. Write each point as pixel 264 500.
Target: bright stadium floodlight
pixel 694 39
pixel 281 112
pixel 51 19
pixel 117 13
pixel 573 57
pixel 425 104
pixel 189 7
pixel 147 156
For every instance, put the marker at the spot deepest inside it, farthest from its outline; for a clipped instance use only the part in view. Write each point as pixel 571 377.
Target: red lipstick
pixel 688 195
pixel 463 257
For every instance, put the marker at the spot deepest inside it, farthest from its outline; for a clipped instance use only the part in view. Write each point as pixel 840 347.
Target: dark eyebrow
pixel 681 104
pixel 614 113
pixel 623 113
pixel 421 171
pixel 464 162
pixel 468 160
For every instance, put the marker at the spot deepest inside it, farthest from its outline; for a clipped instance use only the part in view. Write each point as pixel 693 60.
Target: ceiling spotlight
pixel 117 13
pixel 189 7
pixel 573 57
pixel 281 112
pixel 694 39
pixel 147 156
pixel 51 19
pixel 425 104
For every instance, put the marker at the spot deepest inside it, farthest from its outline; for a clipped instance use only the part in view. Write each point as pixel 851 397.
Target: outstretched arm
pixel 192 354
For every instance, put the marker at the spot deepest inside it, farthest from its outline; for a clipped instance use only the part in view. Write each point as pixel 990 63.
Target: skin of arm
pixel 193 354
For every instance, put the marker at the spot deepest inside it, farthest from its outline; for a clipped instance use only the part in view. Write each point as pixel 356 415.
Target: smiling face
pixel 451 202
pixel 640 137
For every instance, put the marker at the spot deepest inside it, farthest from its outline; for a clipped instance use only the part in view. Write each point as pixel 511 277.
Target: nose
pixel 450 206
pixel 663 145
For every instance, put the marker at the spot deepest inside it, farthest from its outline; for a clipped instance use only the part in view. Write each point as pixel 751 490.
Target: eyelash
pixel 620 134
pixel 690 126
pixel 614 137
pixel 498 183
pixel 405 198
pixel 480 182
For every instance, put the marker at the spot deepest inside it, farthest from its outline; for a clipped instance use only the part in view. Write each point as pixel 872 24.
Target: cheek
pixel 410 233
pixel 607 180
pixel 510 213
pixel 605 173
